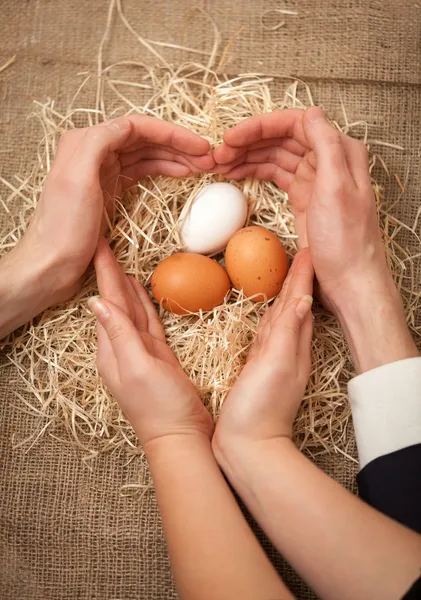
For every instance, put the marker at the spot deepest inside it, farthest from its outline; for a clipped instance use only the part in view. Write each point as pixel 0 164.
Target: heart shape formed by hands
pixel 297 150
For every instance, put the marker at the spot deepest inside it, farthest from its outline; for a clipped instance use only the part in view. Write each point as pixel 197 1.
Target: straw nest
pixel 55 354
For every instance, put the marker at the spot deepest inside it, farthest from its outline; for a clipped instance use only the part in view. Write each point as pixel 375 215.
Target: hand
pixel 326 176
pixel 135 362
pixel 264 401
pixel 91 169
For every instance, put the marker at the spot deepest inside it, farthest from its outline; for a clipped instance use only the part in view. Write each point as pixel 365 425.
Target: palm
pixel 92 167
pixel 127 293
pixel 266 396
pixel 159 349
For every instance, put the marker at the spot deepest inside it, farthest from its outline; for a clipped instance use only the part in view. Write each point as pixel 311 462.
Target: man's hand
pixel 326 176
pixel 91 169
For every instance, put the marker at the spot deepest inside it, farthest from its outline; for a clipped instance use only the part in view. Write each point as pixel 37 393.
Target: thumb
pixel 125 341
pixel 326 142
pixel 112 282
pixel 98 141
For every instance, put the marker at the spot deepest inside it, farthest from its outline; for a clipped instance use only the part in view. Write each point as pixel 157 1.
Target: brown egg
pixel 256 262
pixel 187 282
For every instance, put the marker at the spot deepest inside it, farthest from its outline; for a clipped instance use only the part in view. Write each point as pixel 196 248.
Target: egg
pixel 186 282
pixel 256 262
pixel 215 215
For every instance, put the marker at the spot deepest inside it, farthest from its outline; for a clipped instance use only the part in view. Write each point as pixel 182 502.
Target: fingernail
pixel 99 308
pixel 304 306
pixel 315 113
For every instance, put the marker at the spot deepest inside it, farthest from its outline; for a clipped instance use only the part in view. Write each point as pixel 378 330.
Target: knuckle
pixel 338 188
pixel 333 137
pixel 94 133
pixel 115 331
pixel 291 329
pixel 134 378
pixel 310 160
pixel 275 154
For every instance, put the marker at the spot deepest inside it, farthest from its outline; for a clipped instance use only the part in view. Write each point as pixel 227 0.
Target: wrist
pixel 237 454
pixel 167 446
pixel 371 313
pixel 24 289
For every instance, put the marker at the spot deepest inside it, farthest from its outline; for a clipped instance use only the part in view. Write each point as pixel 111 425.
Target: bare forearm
pixel 374 323
pixel 21 292
pixel 342 547
pixel 213 552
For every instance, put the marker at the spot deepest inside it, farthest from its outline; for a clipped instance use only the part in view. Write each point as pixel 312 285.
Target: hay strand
pixel 55 354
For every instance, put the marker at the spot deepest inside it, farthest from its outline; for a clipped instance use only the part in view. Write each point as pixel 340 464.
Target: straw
pixel 55 354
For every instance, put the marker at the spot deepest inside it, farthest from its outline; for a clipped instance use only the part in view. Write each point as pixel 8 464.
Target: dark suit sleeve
pixel 415 592
pixel 392 484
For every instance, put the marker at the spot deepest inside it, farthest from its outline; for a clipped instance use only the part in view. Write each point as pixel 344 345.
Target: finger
pixel 67 146
pixel 152 168
pixel 156 131
pixel 154 324
pixel 126 343
pixel 105 361
pixel 287 143
pixel 264 172
pixel 263 332
pixel 327 143
pixel 282 123
pixel 96 143
pixel 286 329
pixel 279 156
pixel 299 282
pixel 358 161
pixel 157 152
pixel 225 154
pixel 140 316
pixel 123 132
pixel 269 154
pixel 304 344
pixel 111 279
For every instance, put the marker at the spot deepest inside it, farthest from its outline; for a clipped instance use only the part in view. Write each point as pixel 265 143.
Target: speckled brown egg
pixel 188 282
pixel 256 262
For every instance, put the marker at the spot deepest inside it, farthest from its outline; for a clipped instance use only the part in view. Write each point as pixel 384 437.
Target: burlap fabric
pixel 66 531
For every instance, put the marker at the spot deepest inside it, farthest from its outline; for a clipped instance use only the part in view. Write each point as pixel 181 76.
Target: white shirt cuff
pixel 386 408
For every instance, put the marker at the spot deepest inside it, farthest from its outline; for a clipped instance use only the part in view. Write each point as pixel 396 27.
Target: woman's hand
pixel 136 363
pixel 264 401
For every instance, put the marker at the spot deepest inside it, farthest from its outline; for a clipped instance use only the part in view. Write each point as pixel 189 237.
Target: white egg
pixel 215 215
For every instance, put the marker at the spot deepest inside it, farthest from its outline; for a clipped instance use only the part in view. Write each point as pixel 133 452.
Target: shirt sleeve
pixel 386 408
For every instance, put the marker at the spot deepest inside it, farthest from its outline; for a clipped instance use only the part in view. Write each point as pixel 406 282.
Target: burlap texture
pixel 66 531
